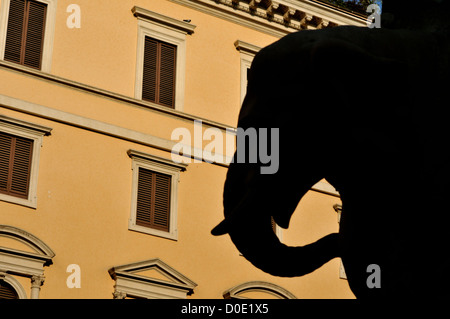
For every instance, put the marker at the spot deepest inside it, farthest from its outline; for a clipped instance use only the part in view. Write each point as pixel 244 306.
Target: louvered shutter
pixel 159 72
pixel 153 200
pixel 150 75
pixel 167 75
pixel 5 159
pixel 21 166
pixel 15 29
pixel 25 33
pixel 162 202
pixel 144 198
pixel 7 291
pixel 34 38
pixel 15 165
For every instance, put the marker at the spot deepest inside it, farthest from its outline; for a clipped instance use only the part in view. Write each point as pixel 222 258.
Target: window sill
pixel 31 203
pixel 172 235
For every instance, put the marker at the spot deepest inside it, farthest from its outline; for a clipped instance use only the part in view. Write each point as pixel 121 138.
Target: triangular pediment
pixel 155 271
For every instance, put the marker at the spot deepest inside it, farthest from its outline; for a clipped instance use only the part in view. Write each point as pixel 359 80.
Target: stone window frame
pixel 159 165
pixel 49 33
pixel 169 30
pixel 35 133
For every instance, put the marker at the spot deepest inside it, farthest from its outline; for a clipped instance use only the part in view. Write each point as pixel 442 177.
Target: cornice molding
pixel 279 17
pixel 97 126
pixel 153 158
pixel 23 125
pixel 109 94
pixel 148 15
pixel 246 47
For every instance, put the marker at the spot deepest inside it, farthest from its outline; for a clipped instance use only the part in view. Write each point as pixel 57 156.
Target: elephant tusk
pixel 221 228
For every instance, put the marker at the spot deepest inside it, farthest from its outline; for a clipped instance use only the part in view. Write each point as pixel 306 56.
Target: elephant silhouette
pixel 364 109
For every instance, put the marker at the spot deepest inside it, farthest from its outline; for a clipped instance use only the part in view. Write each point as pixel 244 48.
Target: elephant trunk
pixel 270 255
pixel 250 229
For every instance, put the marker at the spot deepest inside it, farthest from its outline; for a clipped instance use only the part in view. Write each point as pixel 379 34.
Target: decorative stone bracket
pixel 277 12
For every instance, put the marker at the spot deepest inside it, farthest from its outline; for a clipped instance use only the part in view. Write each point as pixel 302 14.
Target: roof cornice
pixel 277 17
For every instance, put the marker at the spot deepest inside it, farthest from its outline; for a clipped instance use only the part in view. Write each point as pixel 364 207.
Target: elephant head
pixel 348 103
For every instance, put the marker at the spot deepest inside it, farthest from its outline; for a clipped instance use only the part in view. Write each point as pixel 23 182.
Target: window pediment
pixel 147 15
pixel 28 263
pixel 150 279
pixel 39 248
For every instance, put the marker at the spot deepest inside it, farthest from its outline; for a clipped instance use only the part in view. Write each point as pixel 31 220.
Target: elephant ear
pixel 362 76
pixel 370 89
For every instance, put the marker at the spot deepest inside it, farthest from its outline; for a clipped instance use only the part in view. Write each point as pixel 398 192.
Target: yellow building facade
pixel 93 204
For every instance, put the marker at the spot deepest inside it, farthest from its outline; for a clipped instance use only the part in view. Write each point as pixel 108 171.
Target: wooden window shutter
pixel 14 33
pixel 15 165
pixel 153 200
pixel 7 291
pixel 35 34
pixel 25 32
pixel 159 72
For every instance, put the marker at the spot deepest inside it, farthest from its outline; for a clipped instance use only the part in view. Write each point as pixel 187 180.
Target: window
pixel 27 32
pixel 15 164
pixel 20 145
pixel 158 84
pixel 153 199
pixel 161 56
pixel 7 291
pixel 154 195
